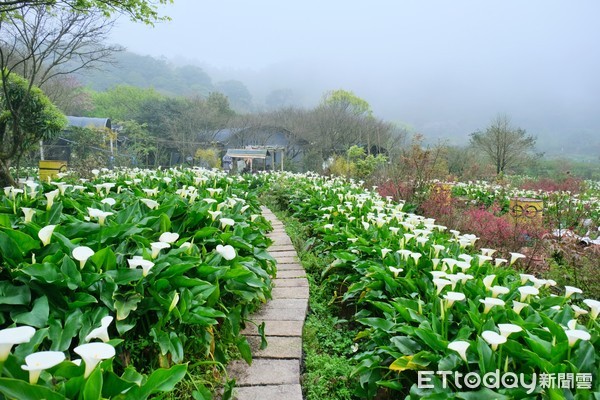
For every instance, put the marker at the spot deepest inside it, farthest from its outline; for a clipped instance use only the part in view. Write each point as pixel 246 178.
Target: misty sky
pixel 445 67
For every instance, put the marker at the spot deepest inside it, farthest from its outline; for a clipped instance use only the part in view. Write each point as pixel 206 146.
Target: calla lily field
pixel 134 272
pixel 118 286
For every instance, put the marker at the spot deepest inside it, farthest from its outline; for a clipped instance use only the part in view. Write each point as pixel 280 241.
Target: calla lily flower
pixel 483 258
pixel 99 214
pixel 168 237
pixel 214 214
pixel 575 334
pixel 498 290
pixel 487 252
pixel 151 204
pixel 525 278
pixel 416 256
pixel 138 261
pixel 527 291
pixel 441 283
pixel 11 336
pixel 488 281
pixel 507 329
pixel 499 261
pixel 226 222
pixel 50 197
pixel 594 306
pixel 227 252
pixel 109 200
pixel 28 212
pixel 101 332
pixel 518 306
pixel 578 311
pixel 451 297
pixel 174 302
pixel 515 256
pixel 493 339
pixel 384 252
pixel 93 353
pixel 569 290
pixel 35 363
pixel 395 271
pixel 157 247
pixel 490 302
pixel 81 254
pixel 460 346
pixel 45 234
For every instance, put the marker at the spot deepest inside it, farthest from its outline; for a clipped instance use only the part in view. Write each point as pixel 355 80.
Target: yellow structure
pixel 523 209
pixel 50 168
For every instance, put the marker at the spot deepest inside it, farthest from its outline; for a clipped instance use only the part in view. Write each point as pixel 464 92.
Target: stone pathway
pixel 275 371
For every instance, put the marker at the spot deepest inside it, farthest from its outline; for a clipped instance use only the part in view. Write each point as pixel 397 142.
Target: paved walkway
pixel 275 371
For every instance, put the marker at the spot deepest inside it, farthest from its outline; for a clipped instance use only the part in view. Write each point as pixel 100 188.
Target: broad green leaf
pixel 9 250
pixel 104 259
pixel 14 295
pixel 93 385
pixel 45 272
pixel 37 317
pixel 17 389
pixel 125 304
pixel 24 242
pixel 161 380
pixel 60 336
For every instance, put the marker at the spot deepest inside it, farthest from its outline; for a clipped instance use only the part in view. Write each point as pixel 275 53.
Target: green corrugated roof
pixel 247 153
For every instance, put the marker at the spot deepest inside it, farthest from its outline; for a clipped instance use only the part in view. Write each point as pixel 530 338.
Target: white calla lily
pixel 168 237
pixel 28 213
pixel 460 346
pixel 157 247
pixel 493 339
pixel 570 290
pixel 45 234
pixel 507 329
pixel 575 334
pixel 139 261
pixel 227 252
pixel 527 291
pixel 11 336
pixel 451 297
pixel 81 254
pixel 93 353
pixel 35 363
pixel 594 306
pixel 102 331
pixel 515 256
pixel 490 302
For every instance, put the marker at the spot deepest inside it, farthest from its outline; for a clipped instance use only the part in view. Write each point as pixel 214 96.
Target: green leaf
pixel 93 386
pixel 24 242
pixel 14 295
pixel 165 223
pixel 60 336
pixel 105 259
pixel 114 385
pixel 125 304
pixel 9 249
pixel 244 348
pixel 584 357
pixel 38 316
pixel 483 394
pixel 486 356
pixel 161 380
pixel 17 389
pixel 45 272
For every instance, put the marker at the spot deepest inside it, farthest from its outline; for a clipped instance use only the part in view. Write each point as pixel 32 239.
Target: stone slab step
pixel 279 347
pixel 280 247
pixel 275 328
pixel 289 267
pixel 264 371
pixel 282 253
pixel 290 273
pixel 275 392
pixel 291 282
pixel 297 292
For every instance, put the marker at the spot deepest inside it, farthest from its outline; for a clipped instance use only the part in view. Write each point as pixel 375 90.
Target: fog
pixel 444 68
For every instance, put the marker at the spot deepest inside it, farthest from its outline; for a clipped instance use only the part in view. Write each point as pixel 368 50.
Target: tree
pixel 237 93
pixel 26 117
pixel 42 44
pixel 504 145
pixel 138 10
